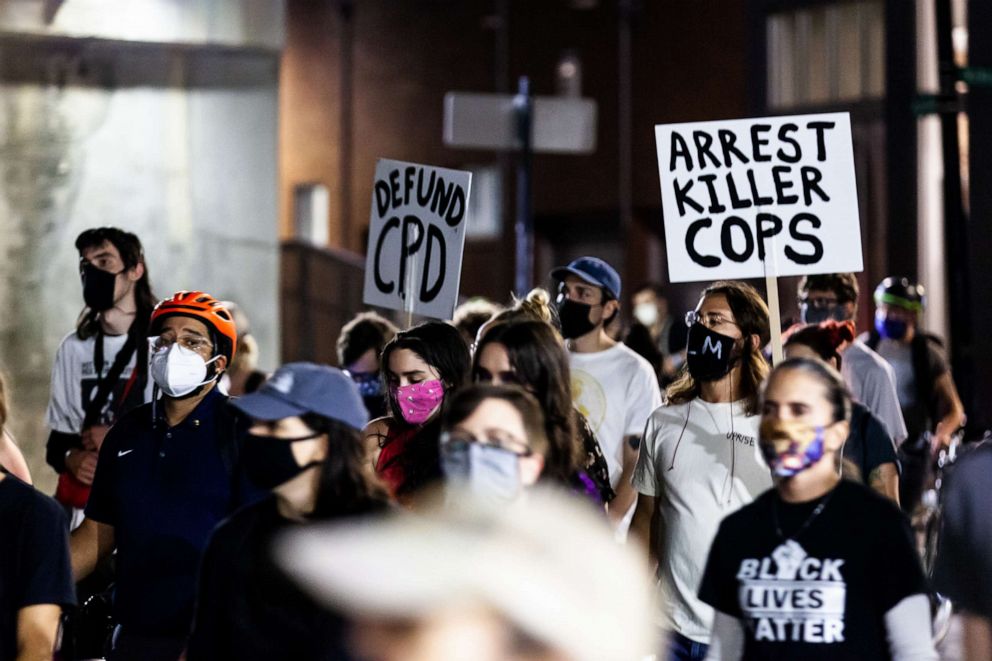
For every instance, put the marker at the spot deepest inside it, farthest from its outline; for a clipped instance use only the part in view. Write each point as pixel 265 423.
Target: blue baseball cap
pixel 300 388
pixel 594 271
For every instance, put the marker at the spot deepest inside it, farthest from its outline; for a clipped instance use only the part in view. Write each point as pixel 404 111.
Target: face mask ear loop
pixel 685 424
pixel 155 393
pixel 729 481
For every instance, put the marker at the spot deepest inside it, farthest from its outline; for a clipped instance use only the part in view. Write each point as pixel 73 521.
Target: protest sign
pixel 416 238
pixel 748 198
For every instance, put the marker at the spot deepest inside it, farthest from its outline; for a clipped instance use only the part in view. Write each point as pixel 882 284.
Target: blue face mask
pixel 488 472
pixel 890 328
pixel 369 384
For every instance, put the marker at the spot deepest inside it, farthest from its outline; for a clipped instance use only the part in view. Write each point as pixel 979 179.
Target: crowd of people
pixel 517 484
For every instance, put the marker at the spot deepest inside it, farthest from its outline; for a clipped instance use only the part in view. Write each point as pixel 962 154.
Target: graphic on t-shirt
pixel 793 597
pixel 589 398
pixel 89 385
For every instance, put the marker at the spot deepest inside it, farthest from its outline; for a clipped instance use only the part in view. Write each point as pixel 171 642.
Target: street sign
pixel 489 121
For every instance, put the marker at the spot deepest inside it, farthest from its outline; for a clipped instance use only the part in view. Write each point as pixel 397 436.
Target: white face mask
pixel 646 313
pixel 490 473
pixel 179 371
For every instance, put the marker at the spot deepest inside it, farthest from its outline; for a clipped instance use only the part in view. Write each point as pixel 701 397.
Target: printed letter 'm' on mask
pixel 709 354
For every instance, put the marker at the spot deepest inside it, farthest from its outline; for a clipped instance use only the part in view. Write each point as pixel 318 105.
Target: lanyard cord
pixel 816 512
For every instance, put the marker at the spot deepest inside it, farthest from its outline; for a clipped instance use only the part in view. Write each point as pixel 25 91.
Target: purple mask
pixel 417 401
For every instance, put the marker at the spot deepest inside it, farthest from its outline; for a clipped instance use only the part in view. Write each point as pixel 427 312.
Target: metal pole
pixel 346 120
pixel 523 105
pixel 955 218
pixel 624 124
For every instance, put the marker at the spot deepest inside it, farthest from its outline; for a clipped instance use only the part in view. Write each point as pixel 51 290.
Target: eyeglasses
pixel 191 342
pixel 493 438
pixel 820 302
pixel 708 319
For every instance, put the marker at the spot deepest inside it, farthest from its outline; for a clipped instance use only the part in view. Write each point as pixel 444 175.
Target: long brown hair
pixel 344 487
pixel 751 316
pixel 541 364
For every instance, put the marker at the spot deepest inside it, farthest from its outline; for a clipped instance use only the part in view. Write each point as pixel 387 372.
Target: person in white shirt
pixel 614 388
pixel 869 377
pixel 700 459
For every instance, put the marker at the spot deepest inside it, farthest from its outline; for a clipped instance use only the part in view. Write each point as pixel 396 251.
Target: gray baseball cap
pixel 300 388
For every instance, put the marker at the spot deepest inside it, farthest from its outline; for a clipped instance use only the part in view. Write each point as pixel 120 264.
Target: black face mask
pixel 574 318
pixel 812 315
pixel 709 355
pixel 98 287
pixel 269 460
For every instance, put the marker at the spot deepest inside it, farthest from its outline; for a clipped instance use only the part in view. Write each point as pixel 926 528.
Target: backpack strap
pixel 873 339
pixel 95 408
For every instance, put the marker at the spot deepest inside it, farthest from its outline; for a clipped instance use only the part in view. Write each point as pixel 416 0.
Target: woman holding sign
pixel 421 367
pixel 817 567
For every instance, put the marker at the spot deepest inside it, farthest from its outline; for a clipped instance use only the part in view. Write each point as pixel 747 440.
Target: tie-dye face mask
pixel 790 446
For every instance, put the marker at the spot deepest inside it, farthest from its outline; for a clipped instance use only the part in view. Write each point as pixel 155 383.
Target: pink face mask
pixel 418 400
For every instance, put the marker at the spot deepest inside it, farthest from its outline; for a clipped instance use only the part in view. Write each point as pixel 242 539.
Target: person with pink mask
pixel 420 367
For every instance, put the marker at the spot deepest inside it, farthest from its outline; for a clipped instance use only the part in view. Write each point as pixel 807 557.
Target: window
pixel 826 54
pixel 311 212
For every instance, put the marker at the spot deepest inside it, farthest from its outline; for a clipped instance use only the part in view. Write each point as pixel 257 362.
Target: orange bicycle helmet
pixel 202 307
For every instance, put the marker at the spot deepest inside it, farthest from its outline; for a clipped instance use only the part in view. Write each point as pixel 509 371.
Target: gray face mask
pixel 488 472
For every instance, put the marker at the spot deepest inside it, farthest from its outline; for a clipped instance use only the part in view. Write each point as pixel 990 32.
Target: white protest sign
pixel 747 198
pixel 416 238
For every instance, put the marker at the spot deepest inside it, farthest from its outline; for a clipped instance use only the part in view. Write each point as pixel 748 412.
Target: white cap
pixel 547 563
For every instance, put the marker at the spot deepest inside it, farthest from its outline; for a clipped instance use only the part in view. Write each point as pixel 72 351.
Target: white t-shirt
pixel 616 390
pixel 873 383
pixel 75 382
pixel 688 462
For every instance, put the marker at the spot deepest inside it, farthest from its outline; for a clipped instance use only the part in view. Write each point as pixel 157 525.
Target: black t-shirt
pixel 247 608
pixel 869 444
pixel 34 557
pixel 964 562
pixel 822 591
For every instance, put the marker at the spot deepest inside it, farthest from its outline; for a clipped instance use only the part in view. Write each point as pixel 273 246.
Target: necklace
pixel 816 512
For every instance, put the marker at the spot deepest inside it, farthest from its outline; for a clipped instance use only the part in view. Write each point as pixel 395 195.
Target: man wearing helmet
pixel 927 394
pixel 164 479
